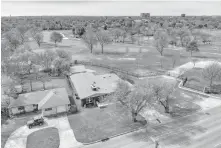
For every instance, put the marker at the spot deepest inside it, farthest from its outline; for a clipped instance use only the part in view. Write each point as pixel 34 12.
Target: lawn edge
pixel 124 133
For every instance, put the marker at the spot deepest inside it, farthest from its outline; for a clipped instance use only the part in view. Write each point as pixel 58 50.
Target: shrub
pixel 47 70
pixel 73 109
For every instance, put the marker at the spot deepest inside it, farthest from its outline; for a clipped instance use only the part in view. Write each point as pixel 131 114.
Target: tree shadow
pixel 176 132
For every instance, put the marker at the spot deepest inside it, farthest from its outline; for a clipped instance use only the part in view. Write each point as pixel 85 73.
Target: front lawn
pixel 183 101
pixel 195 79
pixel 10 126
pixel 94 124
pixel 45 138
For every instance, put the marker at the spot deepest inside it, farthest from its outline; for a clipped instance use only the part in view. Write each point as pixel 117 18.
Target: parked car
pixel 36 121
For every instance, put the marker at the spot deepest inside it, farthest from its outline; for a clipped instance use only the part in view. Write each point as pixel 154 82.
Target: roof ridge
pixel 46 98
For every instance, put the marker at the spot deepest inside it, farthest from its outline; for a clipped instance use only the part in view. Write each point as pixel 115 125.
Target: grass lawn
pixel 94 124
pixel 10 126
pixel 183 102
pixel 196 80
pixel 45 138
pixel 131 57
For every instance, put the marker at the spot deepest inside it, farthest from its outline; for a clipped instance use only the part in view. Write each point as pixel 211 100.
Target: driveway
pixel 66 134
pixel 18 138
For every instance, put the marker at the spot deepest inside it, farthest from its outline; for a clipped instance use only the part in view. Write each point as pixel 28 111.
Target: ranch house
pixel 49 102
pixel 91 88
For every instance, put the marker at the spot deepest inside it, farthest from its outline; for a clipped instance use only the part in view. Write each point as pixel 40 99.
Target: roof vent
pixel 93 87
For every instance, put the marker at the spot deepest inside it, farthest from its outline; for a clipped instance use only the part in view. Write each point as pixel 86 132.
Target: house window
pixel 21 108
pixel 47 109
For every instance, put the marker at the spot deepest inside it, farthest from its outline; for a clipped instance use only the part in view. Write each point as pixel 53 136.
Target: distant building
pixel 145 15
pixel 183 15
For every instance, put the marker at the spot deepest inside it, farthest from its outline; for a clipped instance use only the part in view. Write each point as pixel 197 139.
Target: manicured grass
pixel 10 126
pixel 95 124
pixel 182 102
pixel 195 79
pixel 45 138
pixel 146 56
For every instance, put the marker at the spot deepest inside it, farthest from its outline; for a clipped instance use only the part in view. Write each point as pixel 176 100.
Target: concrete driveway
pixel 18 138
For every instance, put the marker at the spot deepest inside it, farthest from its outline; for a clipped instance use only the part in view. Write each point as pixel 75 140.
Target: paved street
pixel 201 130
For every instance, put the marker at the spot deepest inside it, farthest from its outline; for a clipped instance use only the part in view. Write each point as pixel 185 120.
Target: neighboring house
pixel 92 88
pixel 49 102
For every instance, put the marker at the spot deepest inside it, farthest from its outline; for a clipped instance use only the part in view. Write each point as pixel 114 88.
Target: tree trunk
pixel 167 107
pixel 55 44
pixel 134 115
pixel 91 48
pixel 211 82
pixel 102 48
pixel 31 84
pixel 44 85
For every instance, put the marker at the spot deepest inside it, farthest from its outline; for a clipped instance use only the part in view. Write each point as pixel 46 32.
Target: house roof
pixel 83 81
pixel 57 97
pixel 44 99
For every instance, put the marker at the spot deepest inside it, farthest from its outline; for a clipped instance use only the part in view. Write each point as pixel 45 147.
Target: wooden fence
pixel 115 69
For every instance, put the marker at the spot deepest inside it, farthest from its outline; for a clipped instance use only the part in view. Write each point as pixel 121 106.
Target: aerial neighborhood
pixel 111 81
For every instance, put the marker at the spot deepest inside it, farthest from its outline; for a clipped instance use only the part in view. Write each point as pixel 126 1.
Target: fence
pixel 115 69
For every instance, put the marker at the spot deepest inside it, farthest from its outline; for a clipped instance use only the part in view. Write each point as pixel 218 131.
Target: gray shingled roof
pixel 82 83
pixel 58 98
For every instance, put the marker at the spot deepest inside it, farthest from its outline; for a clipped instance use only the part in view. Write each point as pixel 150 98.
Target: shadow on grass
pixel 95 124
pixel 176 132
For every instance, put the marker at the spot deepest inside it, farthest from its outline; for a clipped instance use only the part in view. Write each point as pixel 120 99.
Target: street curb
pixel 196 91
pixel 179 86
pixel 131 131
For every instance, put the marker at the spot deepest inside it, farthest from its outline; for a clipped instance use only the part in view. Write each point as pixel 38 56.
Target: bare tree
pixel 192 47
pixel 122 92
pixel 22 29
pixel 135 99
pixel 186 40
pixel 103 39
pixel 89 39
pixel 56 37
pixel 139 98
pixel 163 92
pixel 212 72
pixel 44 79
pixel 38 38
pixel 194 61
pixel 123 35
pixel 45 59
pixel 182 33
pixel 161 42
pixel 116 33
pixel 13 39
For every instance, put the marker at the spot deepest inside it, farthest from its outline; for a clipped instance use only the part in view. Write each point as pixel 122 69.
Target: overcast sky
pixel 96 8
